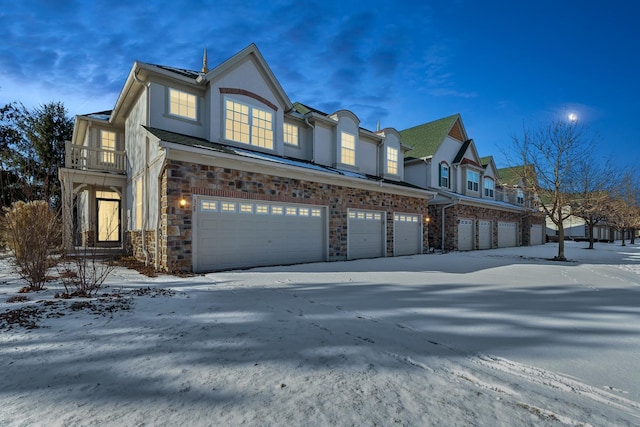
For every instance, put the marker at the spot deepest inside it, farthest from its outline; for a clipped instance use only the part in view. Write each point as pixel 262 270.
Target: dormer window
pixel 392 161
pixel 444 175
pixel 473 179
pixel 488 187
pixel 520 196
pixel 347 149
pixel 248 124
pixel 182 104
pixel 291 134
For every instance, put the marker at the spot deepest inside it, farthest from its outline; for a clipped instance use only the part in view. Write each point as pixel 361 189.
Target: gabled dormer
pixel 468 169
pixel 435 145
pixel 391 153
pixel 489 184
pixel 247 104
pixel 512 185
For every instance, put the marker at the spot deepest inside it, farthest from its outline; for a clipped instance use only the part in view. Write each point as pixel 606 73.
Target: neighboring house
pixel 575 228
pixel 218 169
pixel 472 209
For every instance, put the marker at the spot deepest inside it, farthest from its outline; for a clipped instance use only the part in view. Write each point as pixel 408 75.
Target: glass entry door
pixel 108 220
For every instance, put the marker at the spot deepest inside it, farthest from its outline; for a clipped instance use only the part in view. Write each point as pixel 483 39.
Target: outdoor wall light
pixel 182 202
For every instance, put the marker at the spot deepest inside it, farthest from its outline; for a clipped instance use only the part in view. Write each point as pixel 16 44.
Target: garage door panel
pixel 407 234
pixel 537 237
pixel 465 235
pixel 365 234
pixel 261 235
pixel 485 234
pixel 507 234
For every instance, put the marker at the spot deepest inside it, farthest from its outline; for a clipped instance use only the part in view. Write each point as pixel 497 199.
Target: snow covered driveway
pixel 500 337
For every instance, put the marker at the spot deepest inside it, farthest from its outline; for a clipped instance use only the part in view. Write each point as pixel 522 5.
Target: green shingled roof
pixel 484 161
pixel 512 175
pixel 426 138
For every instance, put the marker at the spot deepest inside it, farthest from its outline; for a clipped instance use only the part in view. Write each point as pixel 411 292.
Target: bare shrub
pixel 83 274
pixel 30 230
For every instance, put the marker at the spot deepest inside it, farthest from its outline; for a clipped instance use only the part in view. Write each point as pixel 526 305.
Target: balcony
pixel 94 159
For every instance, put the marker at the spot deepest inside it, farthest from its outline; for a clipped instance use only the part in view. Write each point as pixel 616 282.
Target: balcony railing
pixel 95 159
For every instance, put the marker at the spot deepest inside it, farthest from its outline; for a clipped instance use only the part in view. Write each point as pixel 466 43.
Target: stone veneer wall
pixel 456 212
pixel 182 179
pixel 133 245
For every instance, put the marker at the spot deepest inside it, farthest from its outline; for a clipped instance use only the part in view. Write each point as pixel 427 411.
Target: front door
pixel 108 220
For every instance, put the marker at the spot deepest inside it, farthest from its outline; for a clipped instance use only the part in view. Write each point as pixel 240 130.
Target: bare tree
pixel 624 207
pixel 552 154
pixel 593 183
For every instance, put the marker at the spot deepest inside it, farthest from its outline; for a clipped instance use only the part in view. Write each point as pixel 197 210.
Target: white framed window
pixel 262 209
pixel 182 104
pixel 107 146
pixel 444 175
pixel 303 211
pixel 246 208
pixel 208 205
pixel 316 213
pixel 277 210
pixel 488 187
pixel 377 216
pixel 352 215
pixel 347 149
pixel 473 179
pixel 291 134
pixel 520 196
pixel 392 160
pixel 361 215
pixel 248 124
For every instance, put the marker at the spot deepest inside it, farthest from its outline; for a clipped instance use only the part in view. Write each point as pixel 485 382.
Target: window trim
pixel 344 150
pixel 520 196
pixel 251 127
pixel 285 134
pixel 107 153
pixel 491 189
pixel 196 114
pixel 473 185
pixel 392 162
pixel 444 166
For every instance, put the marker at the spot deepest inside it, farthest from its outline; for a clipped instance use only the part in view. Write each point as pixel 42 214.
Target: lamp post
pixel 426 221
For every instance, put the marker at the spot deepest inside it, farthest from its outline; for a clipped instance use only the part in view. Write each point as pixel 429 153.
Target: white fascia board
pixel 233 161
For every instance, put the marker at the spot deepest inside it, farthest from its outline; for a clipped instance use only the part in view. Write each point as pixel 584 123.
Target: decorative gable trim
pixel 466 161
pixel 456 131
pixel 252 53
pixel 244 92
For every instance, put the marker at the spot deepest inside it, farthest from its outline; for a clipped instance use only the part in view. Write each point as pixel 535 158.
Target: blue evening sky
pixel 501 64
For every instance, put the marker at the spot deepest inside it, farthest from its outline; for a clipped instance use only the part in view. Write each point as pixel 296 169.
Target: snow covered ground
pixel 499 337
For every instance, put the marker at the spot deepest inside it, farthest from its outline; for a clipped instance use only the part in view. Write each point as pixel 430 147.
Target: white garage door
pixel 507 234
pixel 365 234
pixel 231 233
pixel 485 235
pixel 465 235
pixel 536 234
pixel 407 234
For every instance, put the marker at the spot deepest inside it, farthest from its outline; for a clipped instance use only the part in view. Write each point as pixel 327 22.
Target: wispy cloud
pixel 438 79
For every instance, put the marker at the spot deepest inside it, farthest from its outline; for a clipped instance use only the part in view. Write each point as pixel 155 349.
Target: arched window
pixel 444 175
